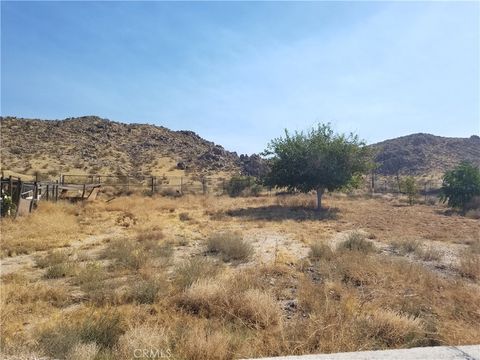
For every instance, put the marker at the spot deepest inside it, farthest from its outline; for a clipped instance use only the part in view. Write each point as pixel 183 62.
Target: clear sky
pixel 239 73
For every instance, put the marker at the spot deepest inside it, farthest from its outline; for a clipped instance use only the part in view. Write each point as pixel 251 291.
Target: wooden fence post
pixel 20 189
pixel 10 186
pixel 34 196
pixel 48 193
pixel 152 185
pixel 204 186
pixel 56 191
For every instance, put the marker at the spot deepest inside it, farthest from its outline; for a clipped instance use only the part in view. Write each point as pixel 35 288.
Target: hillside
pixel 425 154
pixel 94 145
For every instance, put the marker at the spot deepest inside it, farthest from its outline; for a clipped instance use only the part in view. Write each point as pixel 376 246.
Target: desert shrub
pixel 143 337
pixel 53 257
pixel 60 270
pixel 90 276
pixel 82 351
pixel 296 200
pixel 230 246
pixel 146 291
pixel 103 329
pixel 238 185
pixel 258 308
pixel 126 253
pixel 469 265
pixel 204 344
pixel 320 251
pixel 473 214
pixel 170 193
pixel 387 329
pixel 405 246
pixel 184 216
pixel 221 298
pixel 135 254
pixel 150 234
pixel 428 254
pixel 356 242
pixel 194 269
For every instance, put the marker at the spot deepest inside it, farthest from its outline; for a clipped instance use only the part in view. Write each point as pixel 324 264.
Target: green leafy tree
pixel 318 159
pixel 460 185
pixel 409 187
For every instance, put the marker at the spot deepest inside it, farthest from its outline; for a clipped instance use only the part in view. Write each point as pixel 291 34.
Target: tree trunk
pixel 320 192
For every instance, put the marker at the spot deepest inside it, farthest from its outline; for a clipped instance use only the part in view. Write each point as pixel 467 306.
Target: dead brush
pixel 296 201
pixel 405 246
pixel 146 291
pixel 132 254
pixel 102 327
pixel 429 253
pixel 469 265
pixel 65 269
pixel 388 329
pixel 215 297
pixel 194 269
pixel 52 225
pixel 356 242
pixel 53 257
pixel 230 246
pixel 320 251
pixel 146 337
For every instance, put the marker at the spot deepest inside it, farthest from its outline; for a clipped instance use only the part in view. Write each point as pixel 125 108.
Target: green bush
pixel 242 185
pixel 460 186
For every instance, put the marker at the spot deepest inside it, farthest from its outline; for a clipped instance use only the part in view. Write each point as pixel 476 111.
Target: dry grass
pixel 428 253
pixel 356 242
pixel 218 297
pixel 405 246
pixel 149 284
pixel 320 251
pixel 194 269
pixel 230 246
pixel 51 226
pixel 469 266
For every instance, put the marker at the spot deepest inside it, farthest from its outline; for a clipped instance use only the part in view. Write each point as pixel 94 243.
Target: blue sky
pixel 239 73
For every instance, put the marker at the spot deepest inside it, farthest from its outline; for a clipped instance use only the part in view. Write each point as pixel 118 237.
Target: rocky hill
pixel 425 154
pixel 94 145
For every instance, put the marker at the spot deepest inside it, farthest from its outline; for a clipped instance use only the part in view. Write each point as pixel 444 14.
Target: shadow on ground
pixel 278 213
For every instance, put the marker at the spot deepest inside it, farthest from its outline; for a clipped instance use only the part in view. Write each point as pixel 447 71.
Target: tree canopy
pixel 460 185
pixel 317 159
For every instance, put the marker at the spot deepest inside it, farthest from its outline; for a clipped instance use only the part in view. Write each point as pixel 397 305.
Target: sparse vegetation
pixel 230 246
pixel 405 246
pixel 194 269
pixel 356 242
pixel 240 287
pixel 320 251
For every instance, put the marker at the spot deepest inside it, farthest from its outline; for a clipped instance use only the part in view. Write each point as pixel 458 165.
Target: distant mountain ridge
pixel 421 153
pixel 90 144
